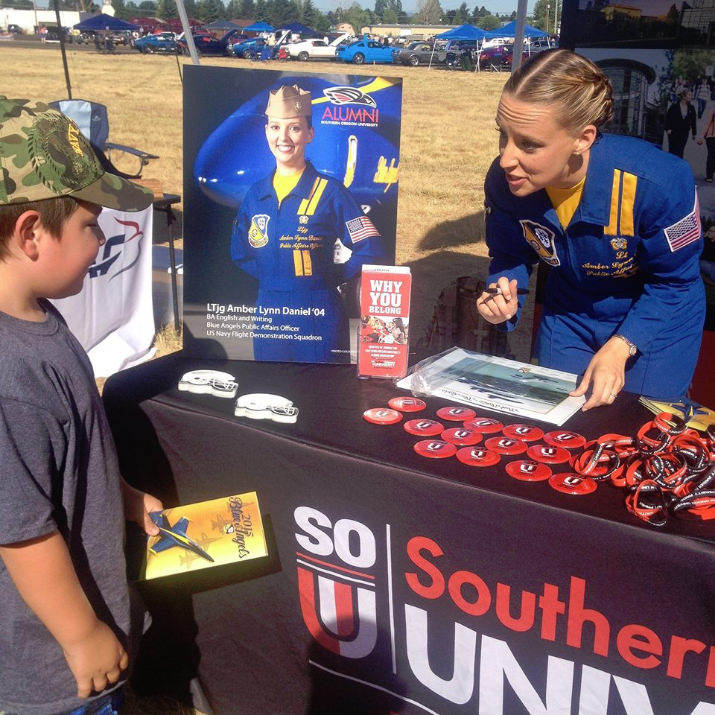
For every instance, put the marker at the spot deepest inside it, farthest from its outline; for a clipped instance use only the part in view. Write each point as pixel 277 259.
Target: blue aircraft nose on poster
pixel 356 140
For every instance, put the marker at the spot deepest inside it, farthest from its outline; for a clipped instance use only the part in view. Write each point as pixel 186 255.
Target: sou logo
pixel 335 585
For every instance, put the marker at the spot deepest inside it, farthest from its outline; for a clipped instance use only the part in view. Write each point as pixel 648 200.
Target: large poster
pixel 290 185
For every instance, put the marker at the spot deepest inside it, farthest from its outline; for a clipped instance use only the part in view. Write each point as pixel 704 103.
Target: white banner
pixel 112 316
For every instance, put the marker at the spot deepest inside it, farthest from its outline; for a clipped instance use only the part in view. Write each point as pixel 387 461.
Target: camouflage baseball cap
pixel 44 155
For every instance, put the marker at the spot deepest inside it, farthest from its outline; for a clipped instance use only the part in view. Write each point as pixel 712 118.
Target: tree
pixel 389 17
pixel 488 22
pixel 166 9
pixel 380 7
pixel 309 14
pixel 248 9
pixel 429 12
pixel 210 10
pixel 282 12
pixel 545 21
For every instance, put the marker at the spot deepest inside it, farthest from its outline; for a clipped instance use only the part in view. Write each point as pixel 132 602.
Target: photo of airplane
pixel 171 536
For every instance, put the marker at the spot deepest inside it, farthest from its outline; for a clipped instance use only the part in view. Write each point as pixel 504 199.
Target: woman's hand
pixel 605 375
pixel 498 308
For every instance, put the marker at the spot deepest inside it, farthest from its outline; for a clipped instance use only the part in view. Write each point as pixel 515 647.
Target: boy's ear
pixel 25 236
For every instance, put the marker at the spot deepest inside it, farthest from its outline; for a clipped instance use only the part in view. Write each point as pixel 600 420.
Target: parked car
pixel 252 47
pixel 540 44
pixel 495 57
pixel 54 34
pixel 414 54
pixel 121 37
pixel 497 42
pixel 365 51
pixel 314 49
pixel 160 42
pixel 14 29
pixel 442 52
pixel 207 44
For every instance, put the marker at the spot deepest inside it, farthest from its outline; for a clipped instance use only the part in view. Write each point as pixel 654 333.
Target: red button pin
pixel 547 454
pixel 572 484
pixel 426 428
pixel 461 436
pixel 505 445
pixel 382 416
pixel 407 404
pixel 487 425
pixel 477 457
pixel 565 439
pixel 434 449
pixel 456 414
pixel 526 433
pixel 527 471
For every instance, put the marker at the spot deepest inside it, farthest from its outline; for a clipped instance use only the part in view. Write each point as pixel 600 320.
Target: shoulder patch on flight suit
pixel 258 232
pixel 541 239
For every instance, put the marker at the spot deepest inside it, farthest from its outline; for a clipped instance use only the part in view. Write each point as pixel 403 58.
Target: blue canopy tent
pixel 300 29
pixel 104 22
pixel 224 25
pixel 463 32
pixel 259 27
pixel 509 30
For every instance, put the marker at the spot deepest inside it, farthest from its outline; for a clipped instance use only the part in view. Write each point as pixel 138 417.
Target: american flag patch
pixel 360 228
pixel 685 231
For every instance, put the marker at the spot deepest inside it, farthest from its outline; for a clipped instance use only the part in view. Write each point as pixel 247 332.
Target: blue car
pixel 161 42
pixel 365 51
pixel 251 48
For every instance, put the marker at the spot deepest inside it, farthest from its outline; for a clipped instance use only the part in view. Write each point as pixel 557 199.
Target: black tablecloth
pixel 398 583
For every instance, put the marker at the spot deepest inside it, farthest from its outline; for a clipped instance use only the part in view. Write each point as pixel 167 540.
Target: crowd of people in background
pixel 691 117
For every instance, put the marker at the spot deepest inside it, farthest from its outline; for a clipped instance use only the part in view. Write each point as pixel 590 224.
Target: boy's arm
pixel 44 575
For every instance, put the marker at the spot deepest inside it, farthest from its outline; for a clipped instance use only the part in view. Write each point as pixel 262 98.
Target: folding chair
pixel 92 119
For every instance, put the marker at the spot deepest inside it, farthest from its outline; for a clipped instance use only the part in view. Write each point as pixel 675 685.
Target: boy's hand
pixel 96 661
pixel 138 505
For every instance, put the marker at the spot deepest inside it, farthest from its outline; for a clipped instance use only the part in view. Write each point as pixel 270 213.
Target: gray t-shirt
pixel 58 471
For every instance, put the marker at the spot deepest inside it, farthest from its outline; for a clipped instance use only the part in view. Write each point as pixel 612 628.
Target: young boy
pixel 67 626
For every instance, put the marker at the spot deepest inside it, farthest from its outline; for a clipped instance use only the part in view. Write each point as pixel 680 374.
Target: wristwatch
pixel 632 349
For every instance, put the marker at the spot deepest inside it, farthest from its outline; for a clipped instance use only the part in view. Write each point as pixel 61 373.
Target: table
pixel 402 584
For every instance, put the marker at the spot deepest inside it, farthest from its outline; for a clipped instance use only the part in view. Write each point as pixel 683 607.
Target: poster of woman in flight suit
pixel 291 187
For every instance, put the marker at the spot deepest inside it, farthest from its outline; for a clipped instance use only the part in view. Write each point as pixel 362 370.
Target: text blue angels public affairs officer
pixel 616 218
pixel 285 235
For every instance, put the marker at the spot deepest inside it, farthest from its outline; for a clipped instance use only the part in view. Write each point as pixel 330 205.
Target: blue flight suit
pixel 627 263
pixel 290 250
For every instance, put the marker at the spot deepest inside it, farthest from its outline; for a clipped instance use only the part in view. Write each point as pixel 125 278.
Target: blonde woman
pixel 616 219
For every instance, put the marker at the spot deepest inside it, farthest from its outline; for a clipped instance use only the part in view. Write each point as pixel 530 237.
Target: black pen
pixel 498 291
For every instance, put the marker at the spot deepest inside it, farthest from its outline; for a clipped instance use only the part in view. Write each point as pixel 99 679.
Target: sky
pixel 501 7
